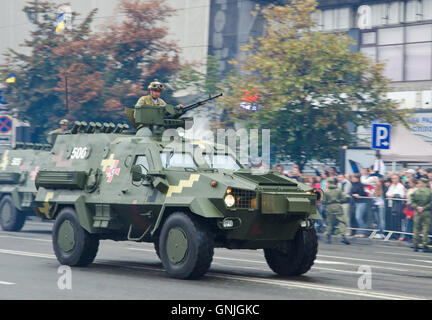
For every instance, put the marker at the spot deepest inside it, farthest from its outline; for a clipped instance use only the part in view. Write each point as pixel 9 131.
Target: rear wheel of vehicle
pixel 186 247
pixel 294 257
pixel 11 219
pixel 73 245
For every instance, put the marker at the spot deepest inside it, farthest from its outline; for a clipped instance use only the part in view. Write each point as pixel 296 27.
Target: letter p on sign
pixel 381 136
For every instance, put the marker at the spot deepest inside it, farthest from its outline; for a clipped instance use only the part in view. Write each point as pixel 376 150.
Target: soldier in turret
pixel 52 135
pixel 155 88
pixel 421 201
pixel 333 198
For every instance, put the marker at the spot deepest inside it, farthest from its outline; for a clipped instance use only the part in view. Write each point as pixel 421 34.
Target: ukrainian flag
pixel 11 78
pixel 60 23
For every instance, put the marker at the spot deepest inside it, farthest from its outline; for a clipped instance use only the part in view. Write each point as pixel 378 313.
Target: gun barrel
pixel 199 103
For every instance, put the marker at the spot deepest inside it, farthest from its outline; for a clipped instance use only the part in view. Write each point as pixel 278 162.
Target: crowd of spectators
pixel 375 199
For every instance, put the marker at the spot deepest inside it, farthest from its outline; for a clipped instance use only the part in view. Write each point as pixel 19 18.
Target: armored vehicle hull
pixel 186 197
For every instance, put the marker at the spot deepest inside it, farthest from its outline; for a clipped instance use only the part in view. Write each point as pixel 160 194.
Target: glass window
pixel 413 11
pixel 393 57
pixel 369 52
pixel 368 38
pixel 419 33
pixel 142 160
pixel 343 18
pixel 418 61
pixel 395 12
pixel 177 160
pixel 390 36
pixel 379 14
pixel 328 19
pixel 427 10
pixel 221 161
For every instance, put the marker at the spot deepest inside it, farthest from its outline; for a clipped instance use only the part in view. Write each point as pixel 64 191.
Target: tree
pixel 81 75
pixel 190 78
pixel 307 86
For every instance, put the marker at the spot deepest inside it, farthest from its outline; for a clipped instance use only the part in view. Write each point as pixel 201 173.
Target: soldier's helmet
pixel 64 121
pixel 156 86
pixel 424 180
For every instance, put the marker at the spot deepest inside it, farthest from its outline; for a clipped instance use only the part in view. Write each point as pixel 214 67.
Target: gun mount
pixel 167 116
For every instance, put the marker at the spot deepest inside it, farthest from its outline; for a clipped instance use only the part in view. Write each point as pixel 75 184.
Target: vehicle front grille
pixel 245 199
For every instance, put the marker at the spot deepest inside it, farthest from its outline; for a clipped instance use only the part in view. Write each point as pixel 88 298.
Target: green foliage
pixel 310 86
pixel 80 75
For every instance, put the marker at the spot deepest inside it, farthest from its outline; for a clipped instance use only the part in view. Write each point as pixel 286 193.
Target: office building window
pixel 407 51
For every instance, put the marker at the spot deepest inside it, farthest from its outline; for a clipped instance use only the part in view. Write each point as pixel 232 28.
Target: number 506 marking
pixel 79 153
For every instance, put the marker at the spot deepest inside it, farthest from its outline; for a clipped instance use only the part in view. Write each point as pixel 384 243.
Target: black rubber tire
pixel 86 245
pixel 199 254
pixel 294 257
pixel 156 247
pixel 18 217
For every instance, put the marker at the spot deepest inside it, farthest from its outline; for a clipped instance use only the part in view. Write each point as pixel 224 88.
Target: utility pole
pixel 66 93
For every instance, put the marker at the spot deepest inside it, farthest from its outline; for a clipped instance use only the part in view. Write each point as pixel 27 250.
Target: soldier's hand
pixel 180 106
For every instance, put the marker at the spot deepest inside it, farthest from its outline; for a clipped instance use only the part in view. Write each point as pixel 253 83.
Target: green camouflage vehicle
pixel 18 170
pixel 186 197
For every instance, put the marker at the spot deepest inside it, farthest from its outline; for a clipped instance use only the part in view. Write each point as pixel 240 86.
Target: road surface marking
pixel 7 283
pixel 403 254
pixel 28 254
pixel 368 260
pixel 25 238
pixel 294 284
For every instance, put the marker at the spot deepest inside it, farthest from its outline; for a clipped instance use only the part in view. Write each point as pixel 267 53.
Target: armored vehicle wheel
pixel 11 219
pixel 294 257
pixel 186 247
pixel 73 246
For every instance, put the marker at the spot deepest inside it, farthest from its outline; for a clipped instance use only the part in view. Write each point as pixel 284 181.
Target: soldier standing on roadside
pixel 421 201
pixel 333 198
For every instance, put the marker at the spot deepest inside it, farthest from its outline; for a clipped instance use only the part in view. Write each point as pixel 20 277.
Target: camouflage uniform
pixel 422 197
pixel 148 100
pixel 52 135
pixel 333 198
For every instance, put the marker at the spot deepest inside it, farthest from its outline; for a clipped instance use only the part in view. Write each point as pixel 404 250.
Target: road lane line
pixel 28 254
pixel 377 261
pixel 287 283
pixel 7 283
pixel 284 283
pixel 318 261
pixel 25 238
pixel 402 254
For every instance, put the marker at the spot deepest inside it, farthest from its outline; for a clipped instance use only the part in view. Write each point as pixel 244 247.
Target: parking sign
pixel 381 136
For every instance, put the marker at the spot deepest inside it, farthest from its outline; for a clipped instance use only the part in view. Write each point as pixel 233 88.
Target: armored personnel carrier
pixel 186 197
pixel 18 170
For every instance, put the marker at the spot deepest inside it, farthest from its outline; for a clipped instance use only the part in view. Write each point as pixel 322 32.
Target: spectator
pixel 408 211
pixel 379 166
pixel 395 192
pixel 378 208
pixel 345 185
pixel 360 203
pixel 332 172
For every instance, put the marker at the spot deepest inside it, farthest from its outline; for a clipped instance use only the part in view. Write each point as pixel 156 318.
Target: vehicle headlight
pixel 229 200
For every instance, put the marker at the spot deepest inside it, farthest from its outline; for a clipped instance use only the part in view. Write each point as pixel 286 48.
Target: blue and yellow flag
pixel 11 78
pixel 60 22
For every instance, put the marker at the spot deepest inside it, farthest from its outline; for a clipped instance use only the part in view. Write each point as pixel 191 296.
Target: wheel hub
pixel 66 236
pixel 177 245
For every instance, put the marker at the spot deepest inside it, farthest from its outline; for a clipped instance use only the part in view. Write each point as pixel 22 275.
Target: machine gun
pixel 164 116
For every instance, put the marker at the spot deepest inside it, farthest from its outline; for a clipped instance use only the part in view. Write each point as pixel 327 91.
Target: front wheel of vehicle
pixel 186 247
pixel 73 245
pixel 294 257
pixel 11 219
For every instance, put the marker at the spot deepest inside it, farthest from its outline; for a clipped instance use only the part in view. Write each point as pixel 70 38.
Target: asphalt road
pixel 128 270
